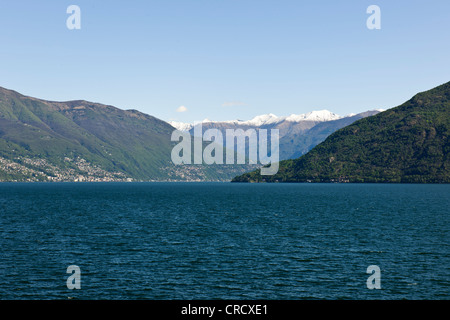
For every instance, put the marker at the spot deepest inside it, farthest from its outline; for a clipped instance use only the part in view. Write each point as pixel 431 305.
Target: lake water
pixel 224 240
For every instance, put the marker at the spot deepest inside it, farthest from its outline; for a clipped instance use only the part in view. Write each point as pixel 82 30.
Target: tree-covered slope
pixel 295 145
pixel 79 140
pixel 409 143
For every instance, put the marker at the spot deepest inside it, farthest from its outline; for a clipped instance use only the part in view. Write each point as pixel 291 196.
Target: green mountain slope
pixel 409 143
pixel 80 140
pixel 298 144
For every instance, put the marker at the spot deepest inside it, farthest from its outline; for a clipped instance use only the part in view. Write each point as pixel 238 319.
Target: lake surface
pixel 224 240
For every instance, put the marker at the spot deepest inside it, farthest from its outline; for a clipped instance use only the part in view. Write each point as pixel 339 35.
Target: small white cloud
pixel 233 104
pixel 182 109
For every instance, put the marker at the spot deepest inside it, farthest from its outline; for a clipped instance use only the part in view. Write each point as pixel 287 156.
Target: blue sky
pixel 226 59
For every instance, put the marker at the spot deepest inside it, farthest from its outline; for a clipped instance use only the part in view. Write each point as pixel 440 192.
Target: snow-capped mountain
pixel 266 119
pixel 298 133
pixel 182 126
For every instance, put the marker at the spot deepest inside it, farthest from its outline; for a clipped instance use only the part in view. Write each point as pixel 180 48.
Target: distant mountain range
pixel 298 133
pixel 265 120
pixel 408 144
pixel 79 140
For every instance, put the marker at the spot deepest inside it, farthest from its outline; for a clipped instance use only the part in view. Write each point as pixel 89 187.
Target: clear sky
pixel 226 59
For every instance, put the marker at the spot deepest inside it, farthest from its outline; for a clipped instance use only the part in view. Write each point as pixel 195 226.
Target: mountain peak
pixel 262 120
pixel 267 119
pixel 320 115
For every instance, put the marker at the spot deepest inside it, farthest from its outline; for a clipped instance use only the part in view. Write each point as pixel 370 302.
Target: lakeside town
pixel 23 169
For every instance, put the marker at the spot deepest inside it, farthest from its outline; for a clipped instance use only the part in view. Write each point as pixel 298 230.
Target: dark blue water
pixel 224 241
